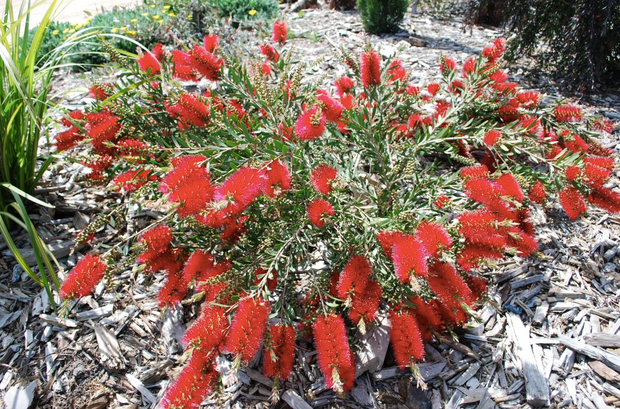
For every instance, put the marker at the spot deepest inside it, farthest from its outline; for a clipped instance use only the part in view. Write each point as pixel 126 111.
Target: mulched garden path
pixel 549 333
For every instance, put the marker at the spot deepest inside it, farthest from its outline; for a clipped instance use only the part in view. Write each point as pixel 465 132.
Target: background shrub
pixel 579 39
pixel 382 16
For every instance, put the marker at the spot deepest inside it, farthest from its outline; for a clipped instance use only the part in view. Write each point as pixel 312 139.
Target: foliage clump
pixel 314 212
pixel 382 16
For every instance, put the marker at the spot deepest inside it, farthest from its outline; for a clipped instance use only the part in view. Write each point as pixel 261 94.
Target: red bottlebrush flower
pixel 572 173
pixel 169 261
pixel 344 85
pixel 211 43
pixel 67 139
pixel 193 385
pixel 414 121
pixel 510 187
pixel 279 178
pixel 348 102
pixel 102 127
pixel 523 242
pixel 472 256
pixel 194 195
pixel 412 90
pixel 452 281
pixel 198 263
pixel 496 50
pixel 77 115
pixel 602 124
pixel 434 237
pixel 572 202
pixel 186 168
pixel 474 172
pixel 269 52
pixel 321 178
pixel 537 193
pixel 279 351
pixel 441 201
pixel 506 88
pixel 354 277
pixel 492 137
pixel 499 77
pixel 272 280
pixel 605 199
pixel 83 278
pixel 469 67
pixel 596 175
pixel 100 163
pixel 529 99
pixel 317 209
pixel 406 338
pixel 370 69
pixel 149 64
pixel 208 331
pixel 335 357
pixel 183 67
pixel 157 241
pixel 568 113
pixel 310 125
pixel 447 65
pixel 132 180
pixel 387 239
pixel 100 92
pixel 280 32
pixel 442 108
pixel 456 87
pixel 206 63
pixel 202 281
pixel 433 88
pixel 409 254
pixel 158 52
pixel 234 229
pixel 605 163
pixel 266 69
pixel 365 305
pixel 129 147
pixel 477 285
pixel 247 329
pixel 331 108
pixel 425 313
pixel 576 144
pixel 174 289
pixel 396 72
pixel 286 132
pixel 240 189
pixel 190 110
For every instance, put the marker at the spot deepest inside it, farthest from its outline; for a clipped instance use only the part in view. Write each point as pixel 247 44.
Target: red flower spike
pixel 472 256
pixel 596 175
pixel 425 313
pixel 409 254
pixel 537 193
pixel 157 240
pixel 209 330
pixel 310 125
pixel 568 113
pixel 572 202
pixel 272 281
pixel 354 277
pixel 510 187
pixel 496 50
pixel 344 85
pixel 241 189
pixel 433 88
pixel 370 69
pixel 499 77
pixel 441 201
pixel 406 338
pixel 279 178
pixel 269 52
pixel 193 385
pixel 186 168
pixel 167 261
pixel 335 357
pixel 572 173
pixel 605 199
pixel 193 197
pixel 477 285
pixel 331 108
pixel 211 43
pixel 603 162
pixel 132 180
pixel 434 237
pixel 266 69
pixel 183 68
pixel 453 282
pixel 247 329
pixel 317 209
pixel 280 352
pixel 492 137
pixel 280 32
pixel 469 67
pixel 365 305
pixel 205 275
pixel 321 178
pixel 529 99
pixel 447 65
pixel 396 72
pixel 67 139
pixel 174 289
pixel 524 243
pixel 412 90
pixel 387 239
pixel 190 110
pixel 83 278
pixel 149 64
pixel 576 144
pixel 474 172
pixel 198 263
pixel 206 63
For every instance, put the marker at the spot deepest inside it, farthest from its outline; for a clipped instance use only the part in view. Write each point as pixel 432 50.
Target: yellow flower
pixel 72 31
pixel 123 28
pixel 145 14
pixel 171 15
pixel 65 31
pixel 55 32
pixel 157 17
pixel 152 6
pixel 252 12
pixel 131 32
pixel 167 6
pixel 134 20
pixel 114 30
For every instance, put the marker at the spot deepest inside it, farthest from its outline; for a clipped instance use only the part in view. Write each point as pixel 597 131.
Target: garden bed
pixel 118 349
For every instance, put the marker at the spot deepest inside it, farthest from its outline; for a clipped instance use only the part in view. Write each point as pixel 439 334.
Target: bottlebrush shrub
pixel 315 211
